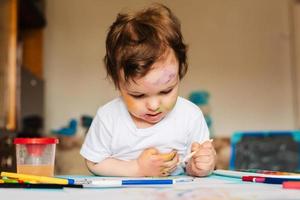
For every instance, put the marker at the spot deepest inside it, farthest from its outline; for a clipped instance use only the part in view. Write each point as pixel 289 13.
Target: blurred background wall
pixel 240 51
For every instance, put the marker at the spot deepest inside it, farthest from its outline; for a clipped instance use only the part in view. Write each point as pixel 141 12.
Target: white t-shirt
pixel 114 134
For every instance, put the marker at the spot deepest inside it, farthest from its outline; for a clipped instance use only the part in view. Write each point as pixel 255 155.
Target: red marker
pixel 256 179
pixel 291 185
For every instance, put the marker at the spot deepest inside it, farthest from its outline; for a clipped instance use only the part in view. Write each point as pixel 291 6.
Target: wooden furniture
pixel 7 149
pixel 8 82
pixel 8 65
pixel 222 147
pixel 21 37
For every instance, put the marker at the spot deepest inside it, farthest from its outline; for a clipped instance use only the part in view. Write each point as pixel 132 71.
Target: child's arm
pixel 149 163
pixel 113 167
pixel 203 161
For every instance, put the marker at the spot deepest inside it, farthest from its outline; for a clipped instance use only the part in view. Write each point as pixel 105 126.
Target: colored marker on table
pixel 255 179
pixel 270 180
pixel 37 185
pixel 291 184
pixel 135 182
pixel 39 179
pixel 10 181
pixel 120 183
pixel 6 180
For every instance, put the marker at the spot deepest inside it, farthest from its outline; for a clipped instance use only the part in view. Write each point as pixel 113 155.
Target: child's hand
pixel 152 163
pixel 203 161
pixel 170 162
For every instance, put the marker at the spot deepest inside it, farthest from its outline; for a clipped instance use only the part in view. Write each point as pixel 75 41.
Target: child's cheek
pixel 169 105
pixel 132 105
pixel 129 102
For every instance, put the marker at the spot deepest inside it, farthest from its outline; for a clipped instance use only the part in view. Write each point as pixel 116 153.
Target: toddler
pixel 148 129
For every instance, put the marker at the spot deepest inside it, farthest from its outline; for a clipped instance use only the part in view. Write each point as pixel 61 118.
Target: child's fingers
pixel 205 155
pixel 192 168
pixel 171 163
pixel 172 169
pixel 168 171
pixel 164 174
pixel 195 146
pixel 203 159
pixel 207 144
pixel 202 163
pixel 205 163
pixel 206 148
pixel 203 166
pixel 170 166
pixel 203 152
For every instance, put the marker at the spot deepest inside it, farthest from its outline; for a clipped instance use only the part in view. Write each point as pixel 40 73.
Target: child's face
pixel 150 98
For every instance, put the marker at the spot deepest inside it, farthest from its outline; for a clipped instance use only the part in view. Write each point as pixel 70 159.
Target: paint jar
pixel 35 156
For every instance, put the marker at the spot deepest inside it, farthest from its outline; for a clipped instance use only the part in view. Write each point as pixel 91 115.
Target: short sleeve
pixel 96 146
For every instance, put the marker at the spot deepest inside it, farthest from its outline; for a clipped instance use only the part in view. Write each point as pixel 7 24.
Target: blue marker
pixel 275 180
pixel 133 182
pixel 148 182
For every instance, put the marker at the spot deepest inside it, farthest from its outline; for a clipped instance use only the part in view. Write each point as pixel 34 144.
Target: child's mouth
pixel 153 117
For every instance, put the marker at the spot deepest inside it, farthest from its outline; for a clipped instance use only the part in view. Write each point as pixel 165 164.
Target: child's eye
pixel 137 96
pixel 166 92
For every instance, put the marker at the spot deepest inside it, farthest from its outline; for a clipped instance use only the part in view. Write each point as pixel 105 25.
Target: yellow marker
pixel 40 179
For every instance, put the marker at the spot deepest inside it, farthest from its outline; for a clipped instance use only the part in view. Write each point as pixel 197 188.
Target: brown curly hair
pixel 136 41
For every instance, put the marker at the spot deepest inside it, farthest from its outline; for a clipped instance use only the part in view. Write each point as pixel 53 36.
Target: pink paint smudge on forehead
pixel 166 77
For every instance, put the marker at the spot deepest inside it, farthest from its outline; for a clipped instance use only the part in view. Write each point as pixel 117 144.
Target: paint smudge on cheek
pixel 170 106
pixel 129 102
pixel 170 103
pixel 167 107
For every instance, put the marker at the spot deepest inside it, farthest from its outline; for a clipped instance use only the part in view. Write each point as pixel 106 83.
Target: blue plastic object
pixel 69 130
pixel 86 121
pixel 199 97
pixel 208 120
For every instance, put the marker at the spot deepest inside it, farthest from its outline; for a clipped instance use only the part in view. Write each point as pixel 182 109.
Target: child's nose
pixel 153 104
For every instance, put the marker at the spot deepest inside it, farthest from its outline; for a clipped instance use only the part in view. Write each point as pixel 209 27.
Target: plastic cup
pixel 35 155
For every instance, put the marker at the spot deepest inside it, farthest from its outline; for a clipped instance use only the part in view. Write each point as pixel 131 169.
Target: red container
pixel 35 155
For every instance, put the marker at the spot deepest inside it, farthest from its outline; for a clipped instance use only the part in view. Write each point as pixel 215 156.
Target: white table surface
pixel 209 188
